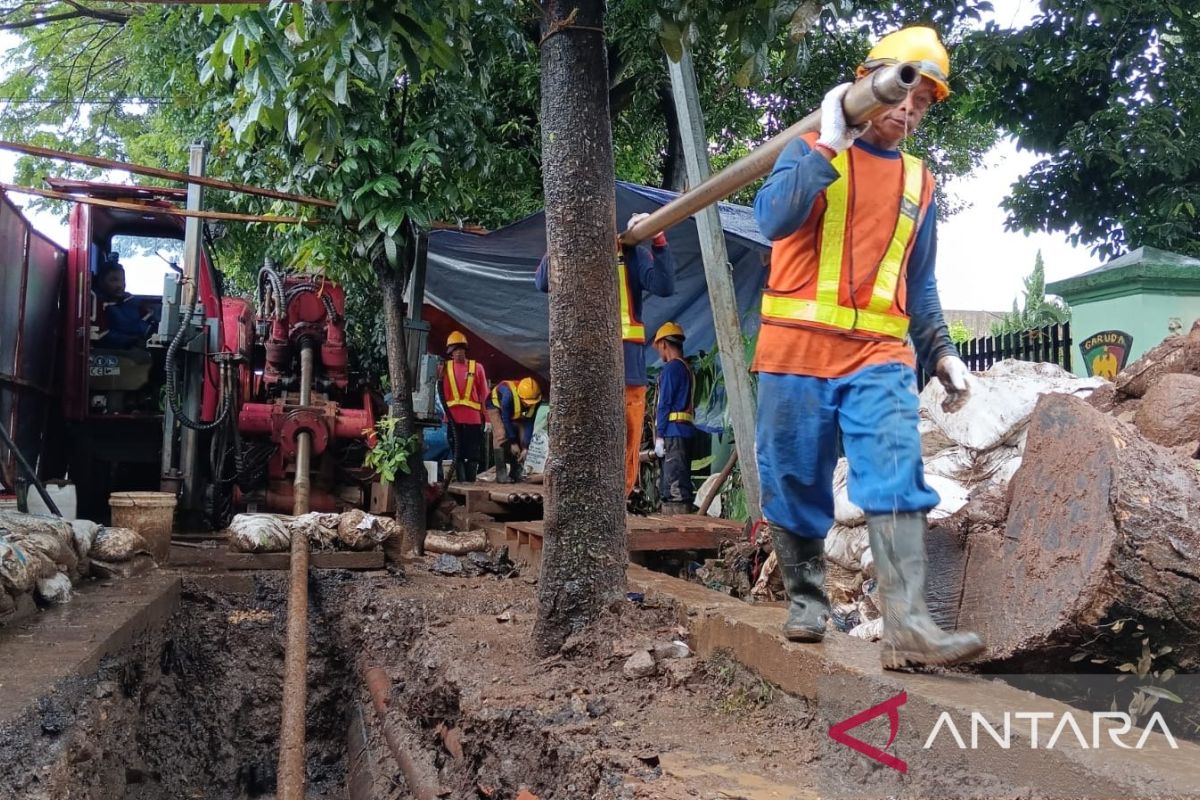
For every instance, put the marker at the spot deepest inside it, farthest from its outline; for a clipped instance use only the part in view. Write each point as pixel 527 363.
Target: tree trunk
pixel 583 564
pixel 410 498
pixel 674 166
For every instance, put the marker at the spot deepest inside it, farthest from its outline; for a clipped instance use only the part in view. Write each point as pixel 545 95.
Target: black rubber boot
pixel 802 562
pixel 910 636
pixel 502 466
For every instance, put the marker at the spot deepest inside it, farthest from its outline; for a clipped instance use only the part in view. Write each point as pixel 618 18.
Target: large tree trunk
pixel 674 166
pixel 583 564
pixel 1101 526
pixel 410 498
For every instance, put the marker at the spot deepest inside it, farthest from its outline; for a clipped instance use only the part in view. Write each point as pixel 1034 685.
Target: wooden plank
pixel 675 540
pixel 369 559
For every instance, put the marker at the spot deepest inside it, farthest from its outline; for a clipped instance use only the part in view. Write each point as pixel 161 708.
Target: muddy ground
pixel 192 711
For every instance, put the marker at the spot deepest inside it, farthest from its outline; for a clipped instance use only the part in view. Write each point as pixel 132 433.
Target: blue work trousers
pixel 799 418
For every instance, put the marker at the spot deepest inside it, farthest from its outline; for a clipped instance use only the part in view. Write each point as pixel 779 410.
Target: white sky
pixel 980 265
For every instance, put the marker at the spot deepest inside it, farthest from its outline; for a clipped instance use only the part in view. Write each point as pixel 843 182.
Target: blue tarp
pixel 486 281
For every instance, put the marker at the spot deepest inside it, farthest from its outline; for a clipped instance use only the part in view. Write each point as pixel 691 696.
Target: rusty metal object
pixel 882 89
pixel 291 735
pixel 155 172
pixel 422 785
pixel 295 679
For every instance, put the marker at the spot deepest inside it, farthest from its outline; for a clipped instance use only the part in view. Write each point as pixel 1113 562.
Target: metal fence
pixel 1051 344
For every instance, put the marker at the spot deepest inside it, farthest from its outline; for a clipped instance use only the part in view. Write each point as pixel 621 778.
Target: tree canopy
pixel 1105 91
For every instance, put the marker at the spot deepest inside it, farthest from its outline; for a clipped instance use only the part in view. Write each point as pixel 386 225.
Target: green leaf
pixel 1158 691
pixel 293 123
pixel 340 93
pixel 389 247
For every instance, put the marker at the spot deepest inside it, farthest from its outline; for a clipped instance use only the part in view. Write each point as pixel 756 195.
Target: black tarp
pixel 485 282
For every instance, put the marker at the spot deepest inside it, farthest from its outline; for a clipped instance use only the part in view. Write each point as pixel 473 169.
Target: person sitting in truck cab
pixel 123 322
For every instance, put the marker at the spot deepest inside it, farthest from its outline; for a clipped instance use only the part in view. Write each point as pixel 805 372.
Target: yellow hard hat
pixel 456 339
pixel 529 391
pixel 916 44
pixel 669 329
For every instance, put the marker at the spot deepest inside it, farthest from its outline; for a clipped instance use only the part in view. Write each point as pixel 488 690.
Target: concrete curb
pixel 843 676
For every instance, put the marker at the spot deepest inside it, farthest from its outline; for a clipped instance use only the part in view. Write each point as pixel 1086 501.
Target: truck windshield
pixel 146 259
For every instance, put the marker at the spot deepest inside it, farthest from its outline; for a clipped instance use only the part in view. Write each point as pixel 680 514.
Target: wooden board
pixel 369 559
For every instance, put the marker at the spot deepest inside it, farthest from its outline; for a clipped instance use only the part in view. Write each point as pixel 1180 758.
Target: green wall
pixel 1145 317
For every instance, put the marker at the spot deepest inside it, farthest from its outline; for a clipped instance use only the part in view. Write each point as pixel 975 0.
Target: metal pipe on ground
pixel 882 89
pixel 295 666
pixel 421 784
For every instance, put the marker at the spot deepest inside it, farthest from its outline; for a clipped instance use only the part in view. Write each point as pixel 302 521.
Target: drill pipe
pixel 422 785
pixel 882 89
pixel 295 667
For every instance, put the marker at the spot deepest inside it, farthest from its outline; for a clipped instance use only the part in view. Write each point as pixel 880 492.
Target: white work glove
pixel 956 380
pixel 660 447
pixel 836 134
pixel 659 239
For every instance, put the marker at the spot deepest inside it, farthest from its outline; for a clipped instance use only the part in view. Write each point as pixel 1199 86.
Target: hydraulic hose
pixel 172 381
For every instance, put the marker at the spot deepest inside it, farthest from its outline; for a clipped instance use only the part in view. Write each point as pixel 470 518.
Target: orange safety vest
pixel 687 415
pixel 464 398
pixel 819 304
pixel 632 329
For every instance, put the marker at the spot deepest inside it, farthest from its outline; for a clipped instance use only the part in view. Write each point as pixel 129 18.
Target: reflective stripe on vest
pixel 825 309
pixel 687 415
pixel 465 397
pixel 512 387
pixel 632 329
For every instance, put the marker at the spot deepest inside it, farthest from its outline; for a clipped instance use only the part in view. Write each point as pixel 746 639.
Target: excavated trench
pixel 191 710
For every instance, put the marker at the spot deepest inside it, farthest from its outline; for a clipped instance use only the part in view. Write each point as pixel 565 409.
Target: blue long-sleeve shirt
pixel 516 429
pixel 786 199
pixel 674 394
pixel 650 269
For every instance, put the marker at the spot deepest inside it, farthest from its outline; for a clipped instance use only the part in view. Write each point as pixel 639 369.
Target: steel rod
pixel 882 89
pixel 29 471
pixel 227 216
pixel 295 679
pixel 164 174
pixel 423 786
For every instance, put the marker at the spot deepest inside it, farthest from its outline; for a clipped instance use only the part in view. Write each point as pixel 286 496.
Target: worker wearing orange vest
pixel 674 421
pixel 512 407
pixel 853 222
pixel 639 270
pixel 464 391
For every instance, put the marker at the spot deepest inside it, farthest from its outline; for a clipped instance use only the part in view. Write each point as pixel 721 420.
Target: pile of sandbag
pixel 970 456
pixel 47 555
pixel 272 533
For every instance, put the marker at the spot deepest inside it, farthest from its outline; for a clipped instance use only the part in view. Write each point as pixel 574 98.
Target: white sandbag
pixel 844 546
pixel 63 495
pixel 1001 401
pixel 18 572
pixel 258 533
pixel 845 512
pixel 871 631
pixel 359 530
pixel 320 528
pixel 137 564
pixel 83 532
pixel 456 544
pixel 117 544
pixel 971 468
pixel 952 493
pixel 56 589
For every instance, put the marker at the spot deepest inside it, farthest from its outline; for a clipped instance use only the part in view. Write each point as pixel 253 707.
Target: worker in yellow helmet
pixel 511 408
pixel 674 421
pixel 464 391
pixel 853 225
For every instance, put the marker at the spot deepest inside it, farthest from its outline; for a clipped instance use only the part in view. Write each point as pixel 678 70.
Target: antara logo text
pixel 1043 730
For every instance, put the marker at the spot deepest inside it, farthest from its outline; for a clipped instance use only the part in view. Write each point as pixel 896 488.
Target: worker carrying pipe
pixel 853 223
pixel 674 421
